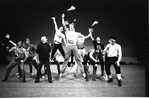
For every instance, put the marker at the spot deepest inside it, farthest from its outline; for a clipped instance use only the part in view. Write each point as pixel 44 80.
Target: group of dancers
pixel 26 53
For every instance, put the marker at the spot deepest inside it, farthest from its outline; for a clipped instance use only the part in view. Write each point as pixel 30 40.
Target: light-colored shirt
pixel 80 41
pixel 18 51
pixel 71 37
pixel 58 37
pixel 113 50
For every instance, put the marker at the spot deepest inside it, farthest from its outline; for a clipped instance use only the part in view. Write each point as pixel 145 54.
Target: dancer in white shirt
pixel 113 55
pixel 58 40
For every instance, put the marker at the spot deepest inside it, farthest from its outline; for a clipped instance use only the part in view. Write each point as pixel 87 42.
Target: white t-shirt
pixel 71 37
pixel 113 50
pixel 80 41
pixel 58 37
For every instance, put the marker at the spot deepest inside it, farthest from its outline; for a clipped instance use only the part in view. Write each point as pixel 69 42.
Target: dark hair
pixel 19 41
pixel 28 39
pixel 113 37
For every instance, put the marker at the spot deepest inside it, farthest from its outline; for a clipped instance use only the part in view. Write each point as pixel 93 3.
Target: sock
pixel 110 76
pixel 119 76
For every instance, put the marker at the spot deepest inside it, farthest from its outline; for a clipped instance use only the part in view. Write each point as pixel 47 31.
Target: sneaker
pixel 32 73
pixel 71 66
pixel 103 77
pixel 5 79
pixel 119 82
pixel 43 77
pixel 36 81
pixel 60 75
pixel 94 79
pixel 50 81
pixel 24 81
pixel 110 80
pixel 84 75
pixel 17 73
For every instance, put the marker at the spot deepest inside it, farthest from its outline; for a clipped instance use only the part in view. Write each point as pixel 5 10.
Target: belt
pixel 56 42
pixel 81 47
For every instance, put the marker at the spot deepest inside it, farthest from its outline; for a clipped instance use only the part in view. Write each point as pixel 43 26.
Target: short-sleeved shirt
pixel 113 50
pixel 43 49
pixel 80 41
pixel 71 37
pixel 58 37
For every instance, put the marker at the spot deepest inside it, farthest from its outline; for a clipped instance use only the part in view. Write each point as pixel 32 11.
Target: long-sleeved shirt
pixel 43 50
pixel 19 52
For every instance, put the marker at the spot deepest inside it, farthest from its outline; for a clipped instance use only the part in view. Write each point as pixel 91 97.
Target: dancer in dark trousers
pixel 58 40
pixel 56 60
pixel 97 42
pixel 19 53
pixel 30 56
pixel 93 56
pixel 113 55
pixel 43 51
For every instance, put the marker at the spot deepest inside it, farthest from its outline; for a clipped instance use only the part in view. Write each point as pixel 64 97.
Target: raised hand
pixel 63 15
pixel 7 36
pixel 53 18
pixel 90 30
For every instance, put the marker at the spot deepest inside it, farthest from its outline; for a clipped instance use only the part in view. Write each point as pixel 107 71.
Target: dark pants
pixel 111 61
pixel 31 63
pixel 47 65
pixel 58 65
pixel 55 47
pixel 11 65
pixel 86 59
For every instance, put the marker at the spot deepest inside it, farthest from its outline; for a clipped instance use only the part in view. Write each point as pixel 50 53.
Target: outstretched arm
pixel 63 22
pixel 65 41
pixel 91 55
pixel 90 33
pixel 55 24
pixel 87 36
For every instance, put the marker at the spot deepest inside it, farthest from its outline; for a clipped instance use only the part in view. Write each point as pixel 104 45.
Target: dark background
pixel 126 19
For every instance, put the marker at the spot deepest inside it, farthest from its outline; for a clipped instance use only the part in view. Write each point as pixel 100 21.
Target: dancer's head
pixel 27 41
pixel 66 22
pixel 98 39
pixel 19 43
pixel 44 39
pixel 61 29
pixel 112 39
pixel 71 27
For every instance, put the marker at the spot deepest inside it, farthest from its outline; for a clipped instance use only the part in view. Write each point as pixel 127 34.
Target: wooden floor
pixel 133 84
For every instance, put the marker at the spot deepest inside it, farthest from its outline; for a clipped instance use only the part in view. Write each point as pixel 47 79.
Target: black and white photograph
pixel 74 48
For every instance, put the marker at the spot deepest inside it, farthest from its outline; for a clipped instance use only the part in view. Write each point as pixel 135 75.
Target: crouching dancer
pixel 93 56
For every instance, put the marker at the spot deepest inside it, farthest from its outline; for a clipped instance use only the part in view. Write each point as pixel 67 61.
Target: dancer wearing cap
pixel 113 55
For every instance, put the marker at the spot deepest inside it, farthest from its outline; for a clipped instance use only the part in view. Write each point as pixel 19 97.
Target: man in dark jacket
pixel 43 51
